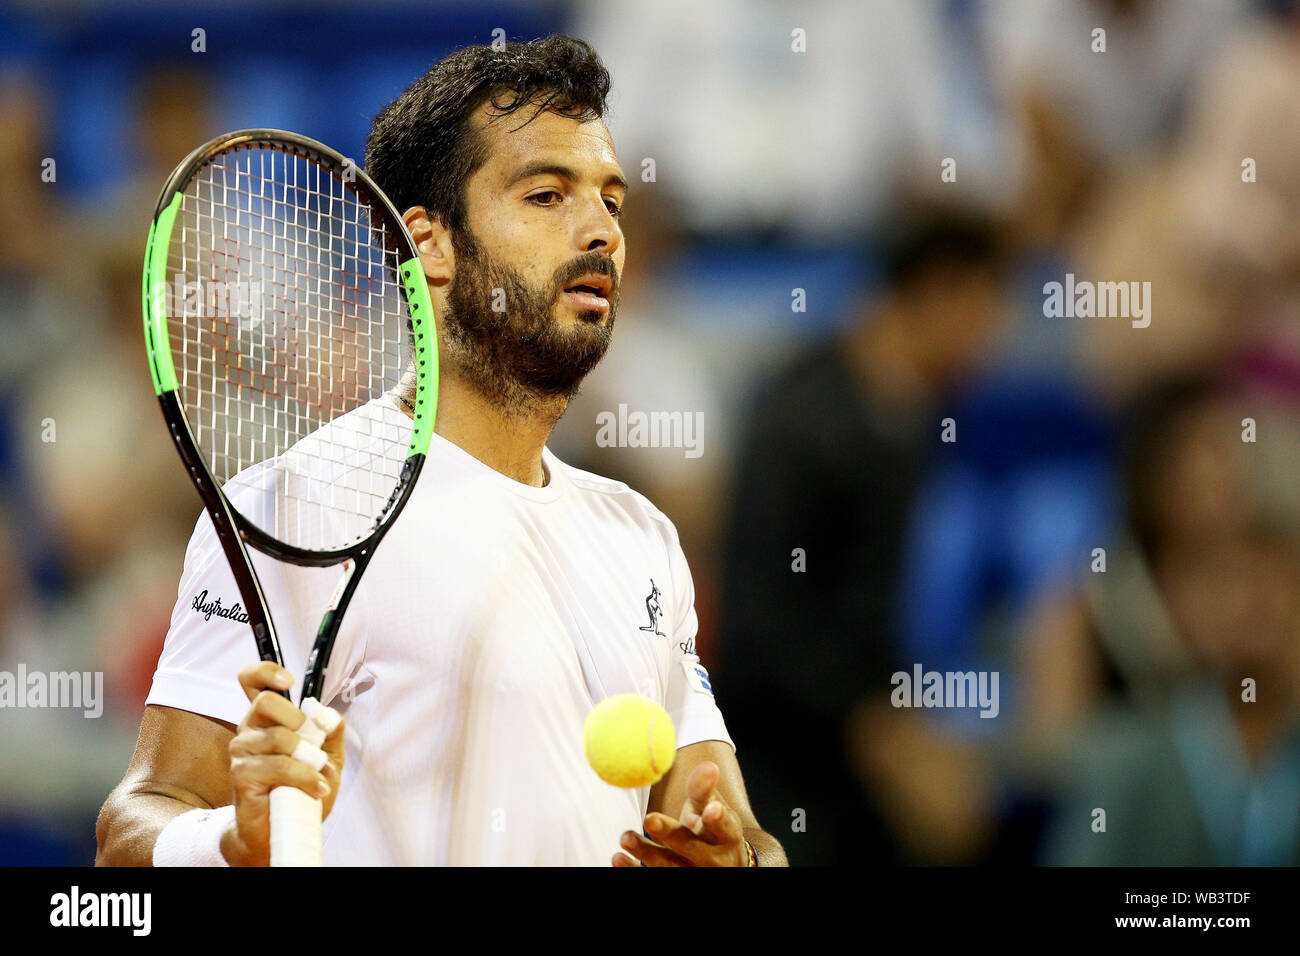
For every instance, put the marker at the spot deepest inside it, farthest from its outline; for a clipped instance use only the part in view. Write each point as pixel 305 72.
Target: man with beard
pixel 511 596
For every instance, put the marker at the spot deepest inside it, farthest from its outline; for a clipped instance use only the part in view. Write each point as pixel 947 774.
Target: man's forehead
pixel 519 137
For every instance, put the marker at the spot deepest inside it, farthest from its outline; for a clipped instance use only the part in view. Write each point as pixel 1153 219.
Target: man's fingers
pixel 649 853
pixel 674 835
pixel 270 710
pixel 264 675
pixel 265 772
pixel 272 731
pixel 274 739
pixel 272 749
pixel 699 793
pixel 682 840
pixel 717 845
pixel 333 745
pixel 719 824
pixel 256 741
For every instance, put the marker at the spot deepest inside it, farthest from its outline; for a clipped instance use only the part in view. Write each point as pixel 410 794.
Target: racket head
pixel 284 308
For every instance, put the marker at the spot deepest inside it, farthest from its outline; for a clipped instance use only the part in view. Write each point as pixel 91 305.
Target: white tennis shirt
pixel 491 620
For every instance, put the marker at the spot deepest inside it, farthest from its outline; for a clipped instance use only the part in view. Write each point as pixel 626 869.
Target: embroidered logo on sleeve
pixel 214 608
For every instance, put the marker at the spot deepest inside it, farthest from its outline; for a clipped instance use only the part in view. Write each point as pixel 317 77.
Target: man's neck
pixel 509 442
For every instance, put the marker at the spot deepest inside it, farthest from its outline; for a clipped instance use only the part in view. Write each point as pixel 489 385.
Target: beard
pixel 521 359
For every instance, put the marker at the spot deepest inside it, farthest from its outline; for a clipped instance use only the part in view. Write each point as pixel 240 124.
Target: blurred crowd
pixel 842 219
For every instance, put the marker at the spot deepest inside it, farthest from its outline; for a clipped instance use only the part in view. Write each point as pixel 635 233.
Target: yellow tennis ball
pixel 629 740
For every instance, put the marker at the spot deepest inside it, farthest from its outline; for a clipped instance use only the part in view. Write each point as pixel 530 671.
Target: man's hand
pixel 707 832
pixel 261 760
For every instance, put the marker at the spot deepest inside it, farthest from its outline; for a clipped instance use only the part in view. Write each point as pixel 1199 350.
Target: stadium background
pixel 776 171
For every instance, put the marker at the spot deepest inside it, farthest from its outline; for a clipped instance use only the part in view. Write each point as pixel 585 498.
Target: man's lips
pixel 588 302
pixel 590 292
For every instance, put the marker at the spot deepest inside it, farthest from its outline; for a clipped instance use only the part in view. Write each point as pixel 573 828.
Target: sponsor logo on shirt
pixel 214 608
pixel 697 678
pixel 703 675
pixel 654 609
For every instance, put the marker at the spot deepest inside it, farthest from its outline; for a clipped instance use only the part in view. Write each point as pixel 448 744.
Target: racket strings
pixel 289 323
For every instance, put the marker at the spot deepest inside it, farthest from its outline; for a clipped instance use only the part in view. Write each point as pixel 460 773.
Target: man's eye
pixel 615 209
pixel 538 197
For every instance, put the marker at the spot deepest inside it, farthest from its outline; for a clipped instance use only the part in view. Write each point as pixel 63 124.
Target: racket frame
pixel 234 532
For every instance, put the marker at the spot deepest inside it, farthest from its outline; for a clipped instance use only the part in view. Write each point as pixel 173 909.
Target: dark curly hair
pixel 422 150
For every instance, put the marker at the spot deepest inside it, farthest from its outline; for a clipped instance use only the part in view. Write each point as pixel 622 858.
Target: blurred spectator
pixel 1222 253
pixel 1247 111
pixel 835 449
pixel 1132 232
pixel 171 115
pixel 800 117
pixel 34 295
pixel 1135 682
pixel 1208 774
pixel 1083 113
pixel 1111 640
pixel 100 510
pixel 106 406
pixel 1125 96
pixel 31 290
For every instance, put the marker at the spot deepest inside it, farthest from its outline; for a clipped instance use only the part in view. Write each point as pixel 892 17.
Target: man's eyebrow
pixel 543 168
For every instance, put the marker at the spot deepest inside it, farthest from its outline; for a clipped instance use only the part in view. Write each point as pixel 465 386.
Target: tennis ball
pixel 629 741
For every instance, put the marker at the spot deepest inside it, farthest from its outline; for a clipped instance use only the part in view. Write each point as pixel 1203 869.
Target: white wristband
pixel 194 838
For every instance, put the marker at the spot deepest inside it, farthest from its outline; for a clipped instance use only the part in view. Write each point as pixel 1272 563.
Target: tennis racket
pixel 292 346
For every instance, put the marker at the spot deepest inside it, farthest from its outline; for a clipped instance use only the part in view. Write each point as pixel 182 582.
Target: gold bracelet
pixel 753 856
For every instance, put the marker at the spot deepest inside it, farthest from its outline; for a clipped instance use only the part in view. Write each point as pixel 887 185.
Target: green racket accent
pixel 155 299
pixel 426 354
pixel 144 304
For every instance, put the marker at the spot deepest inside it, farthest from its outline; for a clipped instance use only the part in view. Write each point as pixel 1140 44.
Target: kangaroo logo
pixel 654 609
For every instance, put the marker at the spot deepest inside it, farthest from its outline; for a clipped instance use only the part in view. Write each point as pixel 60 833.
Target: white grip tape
pixel 313 757
pixel 296 816
pixel 295 828
pixel 326 718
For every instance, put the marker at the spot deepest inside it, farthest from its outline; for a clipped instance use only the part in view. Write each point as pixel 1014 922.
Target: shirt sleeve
pixel 690 701
pixel 209 639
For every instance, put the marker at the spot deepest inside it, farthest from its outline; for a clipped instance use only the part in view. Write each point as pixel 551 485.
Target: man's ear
pixel 433 242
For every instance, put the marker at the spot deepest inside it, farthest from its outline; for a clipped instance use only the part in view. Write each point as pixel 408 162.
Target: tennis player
pixel 514 593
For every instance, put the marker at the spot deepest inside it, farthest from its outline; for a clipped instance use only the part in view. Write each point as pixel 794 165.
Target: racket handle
pixel 295 815
pixel 295 828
